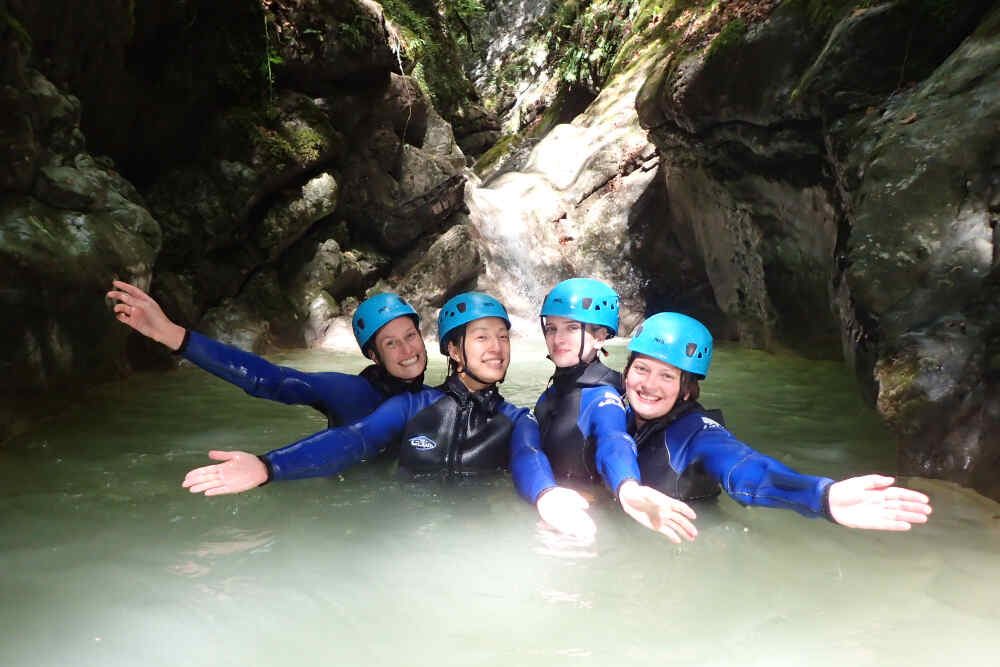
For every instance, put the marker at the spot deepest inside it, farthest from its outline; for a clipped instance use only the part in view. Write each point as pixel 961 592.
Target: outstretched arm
pixel 345 398
pixel 657 511
pixel 871 502
pixel 238 472
pixel 618 465
pixel 138 310
pixel 323 453
pixel 562 509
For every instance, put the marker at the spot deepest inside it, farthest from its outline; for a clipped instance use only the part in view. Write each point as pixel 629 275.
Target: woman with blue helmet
pixel 385 326
pixel 463 427
pixel 582 419
pixel 687 454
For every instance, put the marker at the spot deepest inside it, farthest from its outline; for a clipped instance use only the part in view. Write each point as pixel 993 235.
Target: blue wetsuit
pixel 584 433
pixel 687 455
pixel 443 431
pixel 341 397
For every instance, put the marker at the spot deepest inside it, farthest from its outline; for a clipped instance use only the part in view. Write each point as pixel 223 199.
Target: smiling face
pixel 400 348
pixel 483 352
pixel 562 337
pixel 652 387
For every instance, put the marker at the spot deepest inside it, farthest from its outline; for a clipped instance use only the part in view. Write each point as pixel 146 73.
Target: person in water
pixel 462 427
pixel 582 418
pixel 385 326
pixel 687 454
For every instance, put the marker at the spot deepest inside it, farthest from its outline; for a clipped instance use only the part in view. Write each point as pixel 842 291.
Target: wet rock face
pixel 298 184
pixel 296 195
pixel 69 223
pixel 803 168
pixel 324 45
pixel 147 73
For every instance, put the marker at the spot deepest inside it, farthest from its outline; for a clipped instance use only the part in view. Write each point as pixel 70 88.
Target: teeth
pixel 408 362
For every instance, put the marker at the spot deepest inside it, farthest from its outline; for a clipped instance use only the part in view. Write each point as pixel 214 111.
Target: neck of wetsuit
pixel 389 384
pixel 650 427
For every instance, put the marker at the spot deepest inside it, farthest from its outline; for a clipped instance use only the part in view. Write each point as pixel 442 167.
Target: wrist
pixel 629 485
pixel 174 337
pixel 268 474
pixel 543 492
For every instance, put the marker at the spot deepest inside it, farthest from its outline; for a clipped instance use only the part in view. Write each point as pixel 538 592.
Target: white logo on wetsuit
pixel 611 399
pixel 422 442
pixel 710 423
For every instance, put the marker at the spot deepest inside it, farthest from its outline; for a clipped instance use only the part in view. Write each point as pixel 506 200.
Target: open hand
pixel 872 503
pixel 139 311
pixel 238 472
pixel 658 511
pixel 564 510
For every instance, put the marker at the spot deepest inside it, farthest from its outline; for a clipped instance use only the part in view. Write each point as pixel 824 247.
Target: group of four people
pixel 644 435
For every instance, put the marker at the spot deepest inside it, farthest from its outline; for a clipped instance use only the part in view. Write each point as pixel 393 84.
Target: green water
pixel 106 561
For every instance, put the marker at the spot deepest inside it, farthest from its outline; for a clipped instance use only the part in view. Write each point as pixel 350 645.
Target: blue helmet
pixel 676 339
pixel 377 311
pixel 464 308
pixel 585 300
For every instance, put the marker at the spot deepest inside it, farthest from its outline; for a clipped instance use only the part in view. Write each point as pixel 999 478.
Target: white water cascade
pixel 567 212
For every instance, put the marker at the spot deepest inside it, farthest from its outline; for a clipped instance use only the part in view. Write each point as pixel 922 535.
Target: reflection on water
pixel 107 561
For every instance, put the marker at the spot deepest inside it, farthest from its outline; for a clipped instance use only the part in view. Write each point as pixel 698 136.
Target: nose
pixel 410 348
pixel 494 344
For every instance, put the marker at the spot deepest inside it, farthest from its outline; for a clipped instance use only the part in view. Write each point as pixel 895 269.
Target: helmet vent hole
pixel 461 307
pixel 691 349
pixel 587 301
pixel 361 323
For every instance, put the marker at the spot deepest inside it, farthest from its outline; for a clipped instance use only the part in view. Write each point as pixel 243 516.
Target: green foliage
pixel 353 35
pixel 15 27
pixel 584 38
pixel 430 36
pixel 731 35
pixel 270 56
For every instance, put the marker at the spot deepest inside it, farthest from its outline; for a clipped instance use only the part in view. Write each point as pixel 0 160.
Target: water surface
pixel 107 561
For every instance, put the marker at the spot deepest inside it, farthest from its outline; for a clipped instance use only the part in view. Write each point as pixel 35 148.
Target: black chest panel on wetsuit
pixel 459 434
pixel 570 453
pixel 654 458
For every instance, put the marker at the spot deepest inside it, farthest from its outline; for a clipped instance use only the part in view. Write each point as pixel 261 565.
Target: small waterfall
pixel 567 212
pixel 521 264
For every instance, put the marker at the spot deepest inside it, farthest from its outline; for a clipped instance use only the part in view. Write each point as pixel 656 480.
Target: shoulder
pixel 693 424
pixel 411 403
pixel 602 397
pixel 514 413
